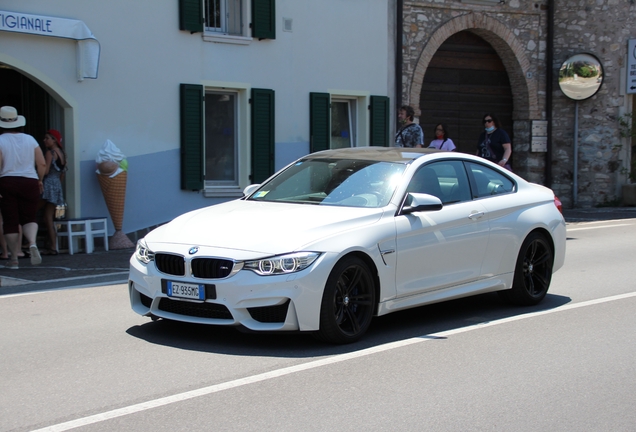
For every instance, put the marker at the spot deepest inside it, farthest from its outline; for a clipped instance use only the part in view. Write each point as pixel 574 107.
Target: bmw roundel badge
pixel 193 250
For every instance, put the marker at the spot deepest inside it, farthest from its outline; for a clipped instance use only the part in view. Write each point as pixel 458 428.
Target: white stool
pixel 89 228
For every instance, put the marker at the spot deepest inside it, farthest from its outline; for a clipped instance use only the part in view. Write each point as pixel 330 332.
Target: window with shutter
pixel 222 150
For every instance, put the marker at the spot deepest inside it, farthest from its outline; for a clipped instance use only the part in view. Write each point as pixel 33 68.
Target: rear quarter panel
pixel 512 218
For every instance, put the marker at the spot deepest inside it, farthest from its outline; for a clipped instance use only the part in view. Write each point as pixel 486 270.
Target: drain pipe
pixel 399 21
pixel 548 90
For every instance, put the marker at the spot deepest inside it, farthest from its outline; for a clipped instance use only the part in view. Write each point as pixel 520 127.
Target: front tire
pixel 533 272
pixel 348 302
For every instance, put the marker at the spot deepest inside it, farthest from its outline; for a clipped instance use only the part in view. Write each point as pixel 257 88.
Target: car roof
pixel 380 154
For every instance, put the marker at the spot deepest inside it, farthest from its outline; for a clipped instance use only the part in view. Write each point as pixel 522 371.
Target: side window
pixel 487 182
pixel 425 181
pixel 445 180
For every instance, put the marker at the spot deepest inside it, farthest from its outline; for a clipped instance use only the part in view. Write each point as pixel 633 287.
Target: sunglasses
pixel 488 120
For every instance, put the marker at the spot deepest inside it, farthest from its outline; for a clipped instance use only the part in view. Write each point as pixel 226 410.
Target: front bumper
pixel 259 303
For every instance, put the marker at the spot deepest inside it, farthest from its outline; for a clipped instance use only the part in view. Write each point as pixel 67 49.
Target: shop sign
pixel 88 52
pixel 631 66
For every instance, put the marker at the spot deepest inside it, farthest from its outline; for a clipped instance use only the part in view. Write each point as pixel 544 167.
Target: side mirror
pixel 418 202
pixel 250 189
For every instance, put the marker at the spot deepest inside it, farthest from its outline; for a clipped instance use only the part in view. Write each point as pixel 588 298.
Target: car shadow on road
pixel 418 322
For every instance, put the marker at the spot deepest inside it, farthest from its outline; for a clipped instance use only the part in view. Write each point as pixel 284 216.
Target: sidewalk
pixel 112 266
pixel 598 213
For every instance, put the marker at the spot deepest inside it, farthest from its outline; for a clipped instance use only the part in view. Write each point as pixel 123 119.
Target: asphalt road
pixel 80 358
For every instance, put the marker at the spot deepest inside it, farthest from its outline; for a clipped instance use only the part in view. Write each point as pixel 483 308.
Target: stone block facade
pixel 518 31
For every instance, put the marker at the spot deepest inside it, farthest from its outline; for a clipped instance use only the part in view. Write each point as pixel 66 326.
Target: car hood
pixel 260 227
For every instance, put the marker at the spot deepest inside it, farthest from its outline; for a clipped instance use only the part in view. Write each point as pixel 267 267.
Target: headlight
pixel 282 264
pixel 142 253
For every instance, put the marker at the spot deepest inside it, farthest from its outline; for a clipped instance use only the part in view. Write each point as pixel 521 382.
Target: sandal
pixel 48 252
pixel 36 259
pixel 13 265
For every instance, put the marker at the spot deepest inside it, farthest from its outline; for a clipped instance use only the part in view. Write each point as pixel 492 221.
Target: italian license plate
pixel 185 290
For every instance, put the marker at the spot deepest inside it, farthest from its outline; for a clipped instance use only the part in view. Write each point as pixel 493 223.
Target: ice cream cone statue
pixel 112 173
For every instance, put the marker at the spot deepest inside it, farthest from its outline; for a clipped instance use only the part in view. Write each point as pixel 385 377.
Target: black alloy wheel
pixel 533 272
pixel 347 303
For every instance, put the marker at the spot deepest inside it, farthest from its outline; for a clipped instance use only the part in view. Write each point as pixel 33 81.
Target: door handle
pixel 476 214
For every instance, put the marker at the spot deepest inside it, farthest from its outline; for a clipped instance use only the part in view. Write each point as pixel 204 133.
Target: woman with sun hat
pixel 22 167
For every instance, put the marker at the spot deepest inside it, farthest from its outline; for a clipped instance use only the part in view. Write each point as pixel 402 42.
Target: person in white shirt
pixel 442 141
pixel 22 167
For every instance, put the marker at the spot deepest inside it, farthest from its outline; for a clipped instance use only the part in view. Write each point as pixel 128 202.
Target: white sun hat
pixel 10 119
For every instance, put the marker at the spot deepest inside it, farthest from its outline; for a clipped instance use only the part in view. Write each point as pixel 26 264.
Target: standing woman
pixel 22 169
pixel 442 141
pixel 53 194
pixel 494 143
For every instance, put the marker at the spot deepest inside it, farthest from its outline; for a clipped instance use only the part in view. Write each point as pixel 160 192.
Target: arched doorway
pixel 465 79
pixel 41 111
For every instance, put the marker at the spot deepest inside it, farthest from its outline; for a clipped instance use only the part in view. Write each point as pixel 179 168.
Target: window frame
pixel 222 35
pixel 473 182
pixel 222 184
pixel 352 117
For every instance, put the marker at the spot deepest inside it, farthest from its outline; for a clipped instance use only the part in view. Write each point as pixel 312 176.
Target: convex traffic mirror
pixel 581 76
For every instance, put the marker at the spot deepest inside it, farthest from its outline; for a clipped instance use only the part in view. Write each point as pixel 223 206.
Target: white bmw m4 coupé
pixel 341 236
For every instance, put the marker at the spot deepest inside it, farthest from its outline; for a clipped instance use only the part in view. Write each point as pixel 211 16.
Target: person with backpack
pixel 410 134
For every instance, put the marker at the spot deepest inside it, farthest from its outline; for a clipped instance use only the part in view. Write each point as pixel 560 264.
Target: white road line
pixel 67 288
pixel 132 409
pixel 597 227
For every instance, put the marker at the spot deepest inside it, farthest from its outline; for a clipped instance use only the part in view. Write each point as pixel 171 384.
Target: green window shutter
pixel 319 121
pixel 264 19
pixel 379 121
pixel 263 147
pixel 191 15
pixel 192 146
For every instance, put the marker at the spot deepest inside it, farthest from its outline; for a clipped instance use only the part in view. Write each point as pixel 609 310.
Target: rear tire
pixel 348 302
pixel 533 272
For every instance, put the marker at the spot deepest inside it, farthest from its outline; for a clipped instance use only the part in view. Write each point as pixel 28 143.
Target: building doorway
pixel 464 80
pixel 42 112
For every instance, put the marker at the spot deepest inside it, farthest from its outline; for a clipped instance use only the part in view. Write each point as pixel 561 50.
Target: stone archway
pixel 525 103
pixel 503 40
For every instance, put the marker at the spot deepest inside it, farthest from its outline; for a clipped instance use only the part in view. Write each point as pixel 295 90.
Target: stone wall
pixel 517 30
pixel 601 28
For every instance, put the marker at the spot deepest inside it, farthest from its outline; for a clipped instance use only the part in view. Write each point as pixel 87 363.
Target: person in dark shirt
pixel 494 143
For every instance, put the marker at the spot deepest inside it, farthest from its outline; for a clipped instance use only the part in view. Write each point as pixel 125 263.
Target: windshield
pixel 342 182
